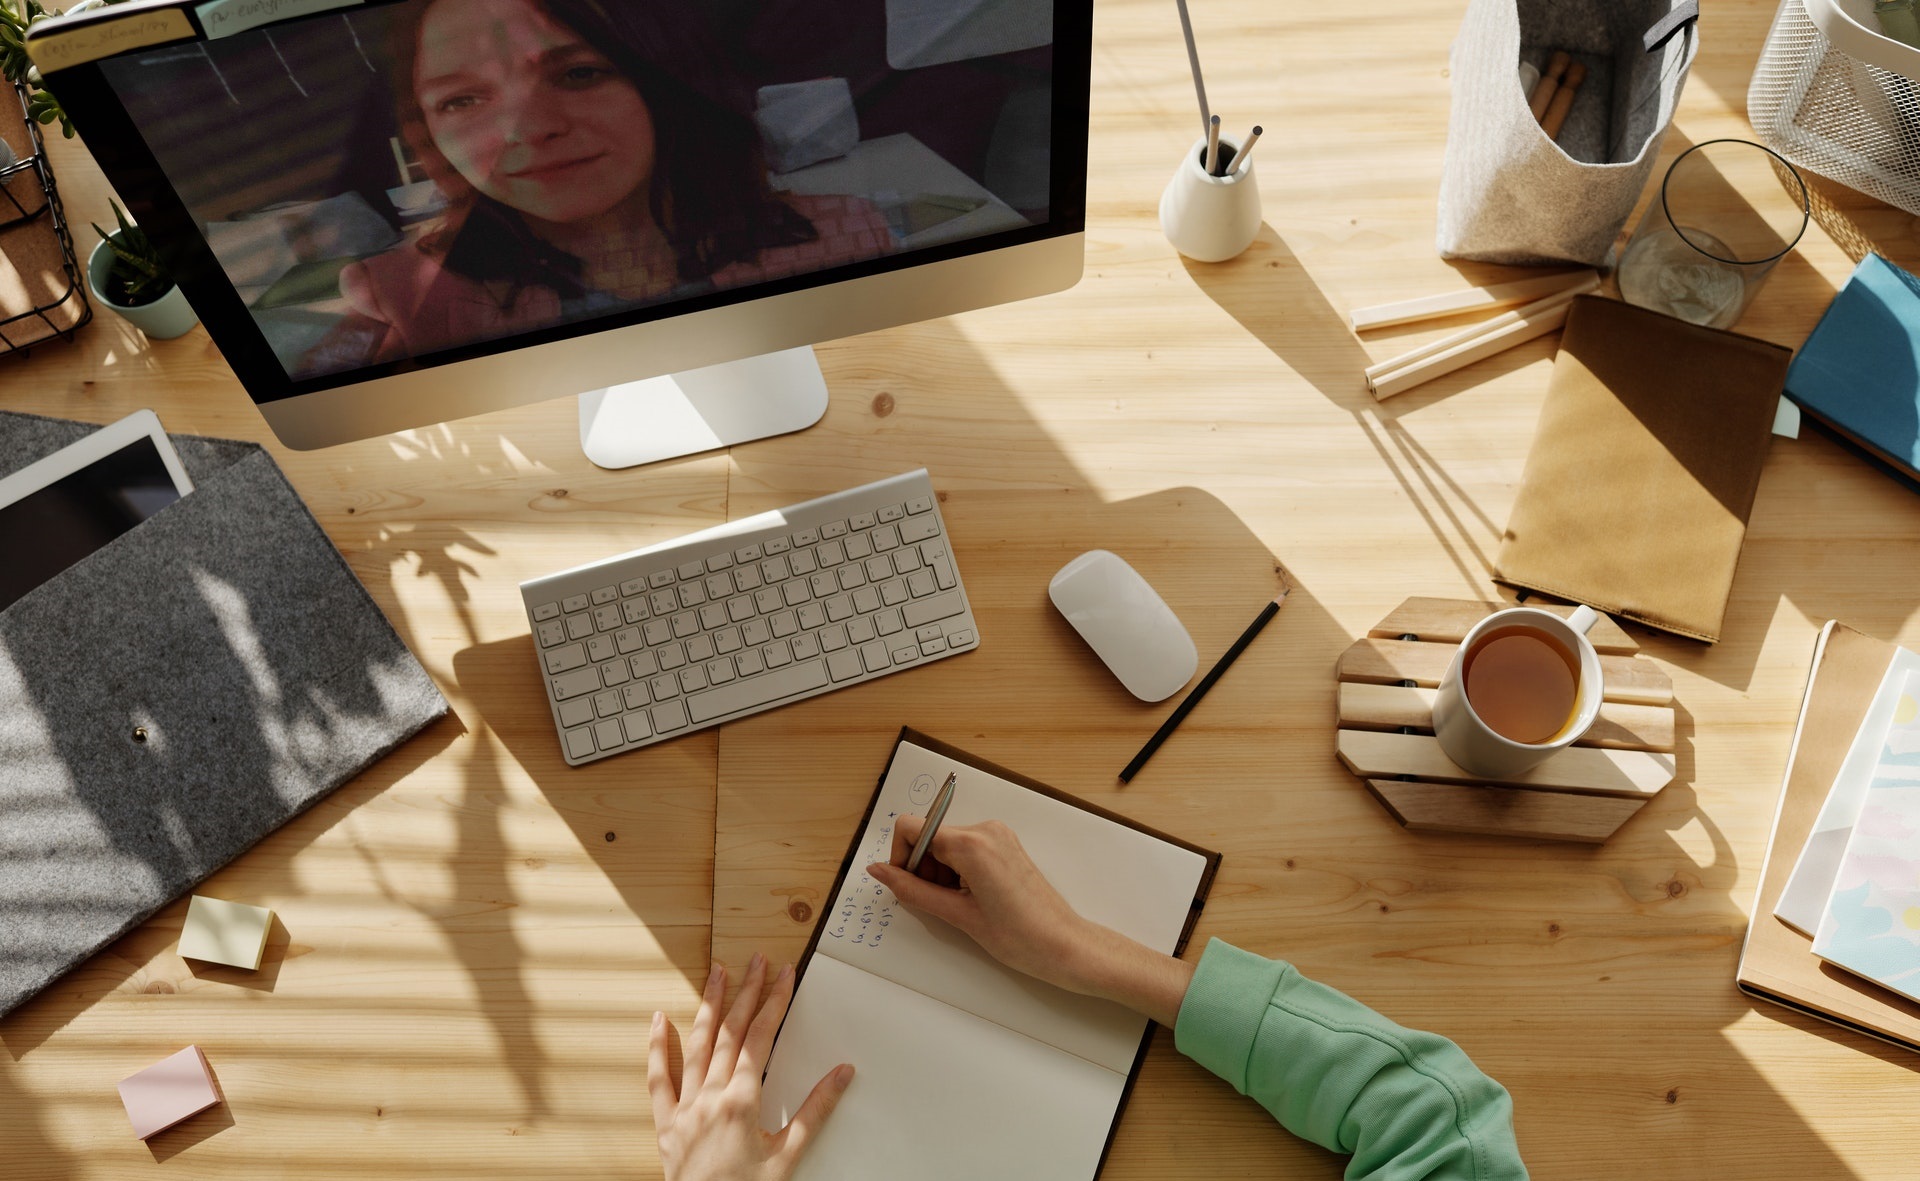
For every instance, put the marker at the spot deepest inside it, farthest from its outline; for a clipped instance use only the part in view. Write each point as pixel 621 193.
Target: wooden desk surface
pixel 473 936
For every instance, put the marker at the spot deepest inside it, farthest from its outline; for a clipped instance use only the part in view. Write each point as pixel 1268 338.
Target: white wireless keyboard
pixel 747 616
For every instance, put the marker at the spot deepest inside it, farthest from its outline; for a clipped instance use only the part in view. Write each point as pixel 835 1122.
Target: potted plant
pixel 124 273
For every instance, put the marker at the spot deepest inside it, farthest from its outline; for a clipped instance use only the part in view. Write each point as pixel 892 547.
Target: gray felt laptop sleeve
pixel 230 633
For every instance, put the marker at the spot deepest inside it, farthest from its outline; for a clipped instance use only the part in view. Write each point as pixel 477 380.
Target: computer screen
pixel 378 189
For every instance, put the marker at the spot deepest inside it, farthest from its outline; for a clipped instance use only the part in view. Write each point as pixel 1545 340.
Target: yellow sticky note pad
pixel 225 932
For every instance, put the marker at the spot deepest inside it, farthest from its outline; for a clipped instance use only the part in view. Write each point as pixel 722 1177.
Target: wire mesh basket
pixel 1834 96
pixel 41 293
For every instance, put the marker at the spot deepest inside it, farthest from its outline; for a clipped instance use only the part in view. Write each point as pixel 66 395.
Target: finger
pixel 906 831
pixel 660 1073
pixel 938 901
pixel 700 1041
pixel 759 1042
pixel 726 1045
pixel 793 1139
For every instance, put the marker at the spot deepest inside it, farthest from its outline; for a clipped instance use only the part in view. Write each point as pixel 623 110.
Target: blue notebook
pixel 1859 373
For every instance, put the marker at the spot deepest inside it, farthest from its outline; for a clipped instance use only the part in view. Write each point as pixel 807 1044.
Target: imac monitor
pixel 389 214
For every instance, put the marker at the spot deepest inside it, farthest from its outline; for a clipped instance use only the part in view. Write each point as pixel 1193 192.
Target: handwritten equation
pixel 866 909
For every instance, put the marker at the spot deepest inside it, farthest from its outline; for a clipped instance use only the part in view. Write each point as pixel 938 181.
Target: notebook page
pixel 937 1094
pixel 1137 884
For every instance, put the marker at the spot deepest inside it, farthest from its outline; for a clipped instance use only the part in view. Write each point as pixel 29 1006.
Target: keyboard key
pixel 615 672
pixel 643 664
pixel 632 587
pixel 803 562
pixel 608 734
pixel 806 537
pixel 713 615
pixel 660 578
pixel 605 594
pixel 805 646
pixel 747 553
pixel 961 638
pixel 727 699
pixel 833 638
pixel 756 632
pixel 777 545
pixel 740 609
pixel 634 610
pixel 879 569
pixel 852 576
pixel 606 703
pixel 866 599
pixel 906 560
pixel 577 712
pixel 546 611
pixel 635 695
pixel 580 742
pixel 920 582
pixel 746 578
pixel 579 627
pixel 795 592
pixel 938 607
pixel 692 594
pixel 906 655
pixel 671 716
pixel 843 664
pixel 700 649
pixel 719 562
pixel 750 662
pixel 693 569
pixel 893 593
pixel 931 631
pixel 784 624
pixel 834 529
pixel 930 647
pixel 577 683
pixel 775 570
pixel 671 657
pixel 860 521
pixel 812 615
pixel 919 529
pixel 664 602
pixel 607 618
pixel 886 537
pixel 823 584
pixel 627 640
pixel 858 547
pixel 838 608
pixel 719 672
pixel 573 603
pixel 664 687
pixel 658 632
pixel 726 640
pixel 693 678
pixel 830 553
pixel 892 512
pixel 719 586
pixel 777 655
pixel 551 632
pixel 600 648
pixel 888 622
pixel 768 599
pixel 874 655
pixel 860 629
pixel 566 659
pixel 637 728
pixel 919 504
pixel 684 625
pixel 942 567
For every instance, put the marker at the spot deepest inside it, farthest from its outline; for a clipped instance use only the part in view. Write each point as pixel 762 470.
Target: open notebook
pixel 968 1069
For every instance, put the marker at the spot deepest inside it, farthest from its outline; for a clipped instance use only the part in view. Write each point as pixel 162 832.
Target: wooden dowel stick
pixel 1401 380
pixel 1549 83
pixel 1472 299
pixel 1556 117
pixel 1246 149
pixel 1475 332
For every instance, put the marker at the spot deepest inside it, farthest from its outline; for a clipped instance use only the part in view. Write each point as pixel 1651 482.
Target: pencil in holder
pixel 1211 218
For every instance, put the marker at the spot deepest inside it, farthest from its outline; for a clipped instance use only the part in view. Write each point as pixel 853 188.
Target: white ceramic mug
pixel 1473 744
pixel 1211 218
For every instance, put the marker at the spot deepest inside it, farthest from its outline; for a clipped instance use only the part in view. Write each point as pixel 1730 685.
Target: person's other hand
pixel 709 1126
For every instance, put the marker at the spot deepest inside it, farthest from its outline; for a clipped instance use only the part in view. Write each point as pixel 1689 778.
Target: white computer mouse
pixel 1126 623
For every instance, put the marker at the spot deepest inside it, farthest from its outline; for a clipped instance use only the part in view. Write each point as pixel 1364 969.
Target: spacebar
pixel 760 690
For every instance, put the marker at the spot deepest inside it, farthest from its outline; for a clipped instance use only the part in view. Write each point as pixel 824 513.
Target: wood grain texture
pixel 1503 811
pixel 1388 662
pixel 1449 620
pixel 1631 773
pixel 466 965
pixel 1395 707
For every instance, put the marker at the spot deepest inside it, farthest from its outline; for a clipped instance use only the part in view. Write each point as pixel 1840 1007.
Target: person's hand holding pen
pixel 978 878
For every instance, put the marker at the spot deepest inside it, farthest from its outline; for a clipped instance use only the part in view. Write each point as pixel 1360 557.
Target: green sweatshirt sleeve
pixel 1403 1103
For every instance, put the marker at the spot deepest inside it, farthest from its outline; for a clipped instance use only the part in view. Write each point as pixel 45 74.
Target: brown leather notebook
pixel 1644 466
pixel 1777 962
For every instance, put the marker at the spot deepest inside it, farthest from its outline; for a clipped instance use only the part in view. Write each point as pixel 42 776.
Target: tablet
pixel 55 512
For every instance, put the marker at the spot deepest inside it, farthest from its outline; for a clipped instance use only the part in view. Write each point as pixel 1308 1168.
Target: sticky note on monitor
pixel 169 1091
pixel 225 932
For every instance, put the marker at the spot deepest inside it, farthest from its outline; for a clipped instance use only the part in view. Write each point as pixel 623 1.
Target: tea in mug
pixel 1522 683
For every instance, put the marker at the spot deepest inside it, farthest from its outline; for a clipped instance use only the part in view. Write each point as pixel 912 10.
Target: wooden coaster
pixel 1583 793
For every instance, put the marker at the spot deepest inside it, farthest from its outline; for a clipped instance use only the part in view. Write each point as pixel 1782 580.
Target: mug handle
pixel 1583 619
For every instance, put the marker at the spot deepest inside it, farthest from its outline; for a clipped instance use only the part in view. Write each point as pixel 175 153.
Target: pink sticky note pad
pixel 169 1091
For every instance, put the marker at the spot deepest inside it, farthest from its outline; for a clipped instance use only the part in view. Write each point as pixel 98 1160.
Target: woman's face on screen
pixel 528 113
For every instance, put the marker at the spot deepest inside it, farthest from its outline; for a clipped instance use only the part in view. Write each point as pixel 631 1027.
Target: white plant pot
pixel 1210 218
pixel 163 319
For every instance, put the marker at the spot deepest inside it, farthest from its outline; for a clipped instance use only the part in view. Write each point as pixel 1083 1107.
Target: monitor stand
pixel 686 413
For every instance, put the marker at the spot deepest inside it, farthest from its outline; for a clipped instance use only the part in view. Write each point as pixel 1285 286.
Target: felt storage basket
pixel 1510 194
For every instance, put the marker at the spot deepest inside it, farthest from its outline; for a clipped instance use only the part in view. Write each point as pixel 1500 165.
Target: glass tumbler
pixel 1728 211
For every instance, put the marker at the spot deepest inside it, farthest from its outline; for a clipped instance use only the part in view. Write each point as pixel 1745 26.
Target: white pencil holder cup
pixel 1210 218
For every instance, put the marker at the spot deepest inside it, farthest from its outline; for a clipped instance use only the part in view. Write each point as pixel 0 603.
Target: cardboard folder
pixel 1777 962
pixel 176 696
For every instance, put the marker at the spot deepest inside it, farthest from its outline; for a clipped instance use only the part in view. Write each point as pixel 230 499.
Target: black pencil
pixel 1213 674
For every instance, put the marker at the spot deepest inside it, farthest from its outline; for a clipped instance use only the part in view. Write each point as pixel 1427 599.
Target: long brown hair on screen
pixel 709 195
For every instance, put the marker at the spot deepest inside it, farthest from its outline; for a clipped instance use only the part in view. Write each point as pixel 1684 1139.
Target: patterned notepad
pixel 1872 923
